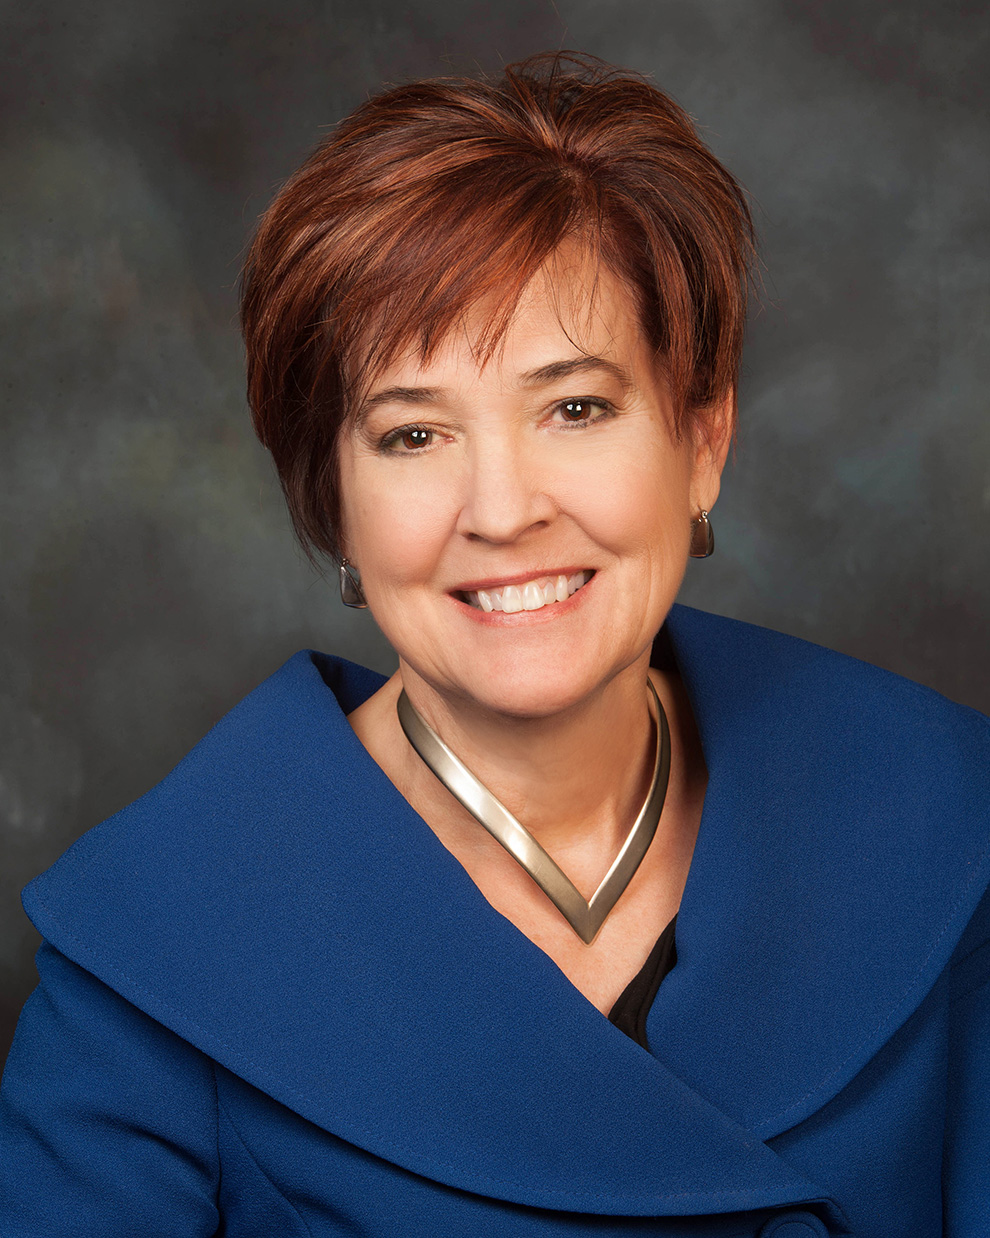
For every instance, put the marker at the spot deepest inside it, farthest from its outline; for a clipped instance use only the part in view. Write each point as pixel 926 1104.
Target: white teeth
pixel 533 595
pixel 512 600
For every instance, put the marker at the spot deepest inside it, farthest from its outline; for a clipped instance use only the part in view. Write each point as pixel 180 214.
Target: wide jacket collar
pixel 276 902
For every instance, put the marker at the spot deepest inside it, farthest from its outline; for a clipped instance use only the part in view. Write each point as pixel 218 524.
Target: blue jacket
pixel 273 1005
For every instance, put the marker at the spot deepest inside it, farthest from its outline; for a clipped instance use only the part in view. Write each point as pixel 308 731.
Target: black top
pixel 634 1002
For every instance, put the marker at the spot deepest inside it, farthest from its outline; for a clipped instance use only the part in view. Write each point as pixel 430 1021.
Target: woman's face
pixel 522 527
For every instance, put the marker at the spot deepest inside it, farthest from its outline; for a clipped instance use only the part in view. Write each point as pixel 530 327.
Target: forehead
pixel 573 306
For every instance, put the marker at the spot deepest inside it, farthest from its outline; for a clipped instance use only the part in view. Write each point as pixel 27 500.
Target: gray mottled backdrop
pixel 148 575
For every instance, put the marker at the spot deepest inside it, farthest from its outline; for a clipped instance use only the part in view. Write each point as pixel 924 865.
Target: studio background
pixel 149 577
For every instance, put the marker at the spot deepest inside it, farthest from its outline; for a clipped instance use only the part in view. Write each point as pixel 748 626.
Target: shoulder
pixel 846 777
pixel 791 663
pixel 740 672
pixel 245 785
pixel 846 830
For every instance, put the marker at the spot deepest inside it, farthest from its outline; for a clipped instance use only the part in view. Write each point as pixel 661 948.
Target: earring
pixel 702 537
pixel 351 593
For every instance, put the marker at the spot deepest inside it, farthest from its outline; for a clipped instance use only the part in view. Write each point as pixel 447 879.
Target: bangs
pixel 467 245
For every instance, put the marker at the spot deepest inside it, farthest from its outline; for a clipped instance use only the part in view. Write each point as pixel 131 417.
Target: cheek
pixel 395 530
pixel 634 503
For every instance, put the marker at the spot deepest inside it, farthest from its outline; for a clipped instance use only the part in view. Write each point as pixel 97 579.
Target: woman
pixel 399 957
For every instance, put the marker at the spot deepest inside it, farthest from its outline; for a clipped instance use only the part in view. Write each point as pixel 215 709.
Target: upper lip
pixel 520 578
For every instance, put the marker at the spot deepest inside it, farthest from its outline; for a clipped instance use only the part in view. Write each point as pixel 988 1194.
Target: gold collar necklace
pixel 585 918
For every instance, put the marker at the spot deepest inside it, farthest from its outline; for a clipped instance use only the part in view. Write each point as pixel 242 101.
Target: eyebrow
pixel 542 376
pixel 400 395
pixel 556 370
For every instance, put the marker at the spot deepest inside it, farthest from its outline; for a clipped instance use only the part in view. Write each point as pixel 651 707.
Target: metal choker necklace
pixel 585 918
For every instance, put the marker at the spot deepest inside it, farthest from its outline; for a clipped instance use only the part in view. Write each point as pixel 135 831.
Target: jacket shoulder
pixel 814 686
pixel 242 763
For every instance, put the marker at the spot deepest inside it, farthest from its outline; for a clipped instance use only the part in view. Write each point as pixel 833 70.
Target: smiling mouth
pixel 529 595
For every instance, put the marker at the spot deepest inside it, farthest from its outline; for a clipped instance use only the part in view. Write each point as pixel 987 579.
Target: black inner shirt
pixel 634 1002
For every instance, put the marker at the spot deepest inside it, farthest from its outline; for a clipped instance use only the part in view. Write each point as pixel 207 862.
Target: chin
pixel 520 691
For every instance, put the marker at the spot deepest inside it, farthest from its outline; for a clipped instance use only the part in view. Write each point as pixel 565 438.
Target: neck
pixel 576 780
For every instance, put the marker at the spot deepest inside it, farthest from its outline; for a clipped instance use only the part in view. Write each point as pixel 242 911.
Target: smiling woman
pixel 600 915
pixel 558 456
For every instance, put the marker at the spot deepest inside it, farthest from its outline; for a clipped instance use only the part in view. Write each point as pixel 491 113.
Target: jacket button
pixel 794 1225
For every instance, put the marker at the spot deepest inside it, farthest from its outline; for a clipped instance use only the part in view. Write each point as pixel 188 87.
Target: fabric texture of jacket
pixel 271 1002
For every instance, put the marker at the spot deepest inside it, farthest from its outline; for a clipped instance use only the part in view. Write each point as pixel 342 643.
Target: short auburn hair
pixel 437 195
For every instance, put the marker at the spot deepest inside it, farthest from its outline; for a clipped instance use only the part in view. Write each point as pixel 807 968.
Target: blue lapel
pixel 312 935
pixel 844 844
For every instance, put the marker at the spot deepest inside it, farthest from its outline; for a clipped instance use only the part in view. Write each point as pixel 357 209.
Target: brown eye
pixel 416 438
pixel 576 410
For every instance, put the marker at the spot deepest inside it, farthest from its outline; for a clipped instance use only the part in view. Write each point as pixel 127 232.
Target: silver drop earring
pixel 351 593
pixel 702 537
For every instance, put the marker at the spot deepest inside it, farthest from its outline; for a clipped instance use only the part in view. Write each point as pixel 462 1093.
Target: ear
pixel 713 434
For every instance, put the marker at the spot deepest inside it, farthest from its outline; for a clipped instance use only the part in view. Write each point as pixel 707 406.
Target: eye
pixel 407 439
pixel 583 411
pixel 417 438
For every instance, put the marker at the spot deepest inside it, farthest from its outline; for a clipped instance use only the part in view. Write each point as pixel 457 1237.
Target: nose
pixel 506 492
